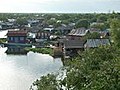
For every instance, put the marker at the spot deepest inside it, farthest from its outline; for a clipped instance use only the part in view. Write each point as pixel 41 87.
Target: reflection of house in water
pixel 16 50
pixel 17 42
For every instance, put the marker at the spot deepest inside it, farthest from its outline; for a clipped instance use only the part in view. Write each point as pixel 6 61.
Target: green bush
pixel 41 50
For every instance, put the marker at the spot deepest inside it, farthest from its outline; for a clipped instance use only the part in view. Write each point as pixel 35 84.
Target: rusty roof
pixel 17 33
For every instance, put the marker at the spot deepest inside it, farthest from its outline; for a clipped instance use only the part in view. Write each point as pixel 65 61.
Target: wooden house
pixel 3 26
pixel 63 29
pixel 43 35
pixel 17 42
pixel 33 23
pixel 41 38
pixel 77 34
pixel 17 37
pixel 70 47
pixel 103 33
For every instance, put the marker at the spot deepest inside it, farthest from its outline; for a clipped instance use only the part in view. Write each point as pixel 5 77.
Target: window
pixel 21 38
pixel 11 38
pixel 16 39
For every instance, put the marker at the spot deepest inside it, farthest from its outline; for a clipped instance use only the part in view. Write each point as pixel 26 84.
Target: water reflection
pixel 16 50
pixel 17 72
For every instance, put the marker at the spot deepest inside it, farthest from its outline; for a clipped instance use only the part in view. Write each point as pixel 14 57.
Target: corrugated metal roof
pixel 74 44
pixel 78 32
pixel 97 42
pixel 17 33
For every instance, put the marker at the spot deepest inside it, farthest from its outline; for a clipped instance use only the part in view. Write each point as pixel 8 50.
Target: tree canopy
pixel 92 69
pixel 115 31
pixel 82 23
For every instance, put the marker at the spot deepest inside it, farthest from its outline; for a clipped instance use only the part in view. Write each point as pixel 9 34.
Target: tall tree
pixel 115 31
pixel 82 23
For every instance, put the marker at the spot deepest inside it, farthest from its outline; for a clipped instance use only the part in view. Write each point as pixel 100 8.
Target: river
pixel 3 33
pixel 18 72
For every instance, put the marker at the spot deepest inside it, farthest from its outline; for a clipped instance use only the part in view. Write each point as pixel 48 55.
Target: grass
pixel 41 50
pixel 2 40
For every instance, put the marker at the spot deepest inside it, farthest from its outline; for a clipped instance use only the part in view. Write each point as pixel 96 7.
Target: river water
pixel 18 72
pixel 3 33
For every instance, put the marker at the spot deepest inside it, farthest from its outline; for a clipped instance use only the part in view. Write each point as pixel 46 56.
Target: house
pixel 93 43
pixel 77 34
pixel 12 20
pixel 41 38
pixel 49 29
pixel 17 37
pixel 31 36
pixel 70 47
pixel 73 44
pixel 33 23
pixel 43 35
pixel 63 29
pixel 3 26
pixel 92 30
pixel 6 25
pixel 9 25
pixel 17 42
pixel 103 33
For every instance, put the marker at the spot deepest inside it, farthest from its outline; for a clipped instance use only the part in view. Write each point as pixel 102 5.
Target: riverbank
pixel 41 50
pixel 19 71
pixel 3 40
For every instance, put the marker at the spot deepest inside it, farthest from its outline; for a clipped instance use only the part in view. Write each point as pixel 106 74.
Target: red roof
pixel 17 33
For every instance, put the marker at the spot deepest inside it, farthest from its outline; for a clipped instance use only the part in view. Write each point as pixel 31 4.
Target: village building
pixel 94 43
pixel 73 42
pixel 41 38
pixel 71 47
pixel 63 29
pixel 43 35
pixel 77 34
pixel 103 33
pixel 7 25
pixel 3 26
pixel 17 37
pixel 17 42
pixel 32 23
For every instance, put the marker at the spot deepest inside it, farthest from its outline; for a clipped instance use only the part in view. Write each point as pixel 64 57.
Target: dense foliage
pixel 2 40
pixel 94 69
pixel 80 20
pixel 41 50
pixel 82 23
pixel 115 31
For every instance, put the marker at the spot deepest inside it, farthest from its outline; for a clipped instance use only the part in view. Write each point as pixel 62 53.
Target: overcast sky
pixel 59 6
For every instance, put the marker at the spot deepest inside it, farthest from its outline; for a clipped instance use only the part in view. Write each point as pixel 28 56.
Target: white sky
pixel 38 6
